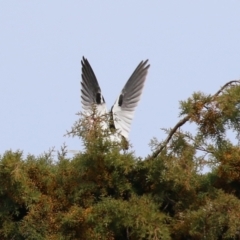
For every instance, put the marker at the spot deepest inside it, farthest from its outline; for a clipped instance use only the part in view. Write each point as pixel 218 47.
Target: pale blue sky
pixel 191 46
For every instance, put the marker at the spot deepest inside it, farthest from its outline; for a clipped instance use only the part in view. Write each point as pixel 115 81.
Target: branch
pixel 226 85
pixel 183 121
pixel 162 146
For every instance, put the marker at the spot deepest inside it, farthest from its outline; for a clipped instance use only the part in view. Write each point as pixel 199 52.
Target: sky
pixel 191 46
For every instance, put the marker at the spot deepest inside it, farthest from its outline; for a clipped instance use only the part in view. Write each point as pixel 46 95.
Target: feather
pixel 124 107
pixel 122 111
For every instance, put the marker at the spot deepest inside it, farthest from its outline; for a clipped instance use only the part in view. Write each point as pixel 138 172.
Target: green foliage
pixel 105 192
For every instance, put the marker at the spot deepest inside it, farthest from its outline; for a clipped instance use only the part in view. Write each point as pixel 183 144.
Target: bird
pixel 122 111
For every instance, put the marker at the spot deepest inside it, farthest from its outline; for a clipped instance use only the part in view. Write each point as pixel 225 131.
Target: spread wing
pixel 91 92
pixel 124 107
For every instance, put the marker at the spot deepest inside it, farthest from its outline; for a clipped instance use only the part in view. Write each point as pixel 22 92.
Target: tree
pixel 106 193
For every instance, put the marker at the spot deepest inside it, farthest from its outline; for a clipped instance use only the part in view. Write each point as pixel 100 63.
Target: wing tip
pixel 84 61
pixel 144 64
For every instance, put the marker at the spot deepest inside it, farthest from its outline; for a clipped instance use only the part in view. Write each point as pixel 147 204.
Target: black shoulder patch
pixel 98 98
pixel 120 100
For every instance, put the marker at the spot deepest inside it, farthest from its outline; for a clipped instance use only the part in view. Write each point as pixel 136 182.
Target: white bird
pixel 122 111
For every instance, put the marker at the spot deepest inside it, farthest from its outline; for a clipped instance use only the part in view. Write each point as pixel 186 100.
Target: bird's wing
pixel 91 92
pixel 124 107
